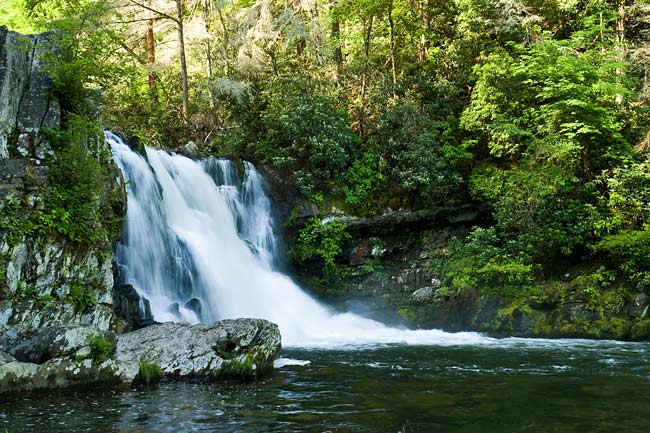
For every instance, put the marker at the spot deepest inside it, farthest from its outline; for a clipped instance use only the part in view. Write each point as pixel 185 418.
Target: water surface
pixel 556 386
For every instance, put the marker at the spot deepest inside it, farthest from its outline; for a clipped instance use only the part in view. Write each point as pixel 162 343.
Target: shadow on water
pixel 577 388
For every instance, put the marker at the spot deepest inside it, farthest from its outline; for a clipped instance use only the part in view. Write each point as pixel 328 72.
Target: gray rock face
pixel 191 150
pixel 41 278
pixel 60 357
pixel 26 105
pixel 133 308
pixel 639 306
pixel 40 275
pixel 422 296
pixel 242 347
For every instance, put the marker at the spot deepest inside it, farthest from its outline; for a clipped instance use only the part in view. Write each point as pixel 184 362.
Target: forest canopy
pixel 534 109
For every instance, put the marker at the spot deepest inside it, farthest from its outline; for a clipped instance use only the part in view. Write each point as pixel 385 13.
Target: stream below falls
pixel 516 386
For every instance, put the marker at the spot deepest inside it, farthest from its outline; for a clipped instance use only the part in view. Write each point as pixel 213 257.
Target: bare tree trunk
pixel 423 8
pixel 335 35
pixel 392 48
pixel 318 56
pixel 302 43
pixel 226 63
pixel 620 22
pixel 181 45
pixel 364 76
pixel 151 56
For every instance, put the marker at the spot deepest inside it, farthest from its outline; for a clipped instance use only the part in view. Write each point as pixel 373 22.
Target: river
pixel 517 386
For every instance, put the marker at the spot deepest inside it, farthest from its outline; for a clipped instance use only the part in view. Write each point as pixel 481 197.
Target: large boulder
pixel 83 355
pixel 241 347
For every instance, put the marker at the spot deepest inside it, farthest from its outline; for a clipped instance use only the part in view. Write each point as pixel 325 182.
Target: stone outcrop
pixel 385 273
pixel 66 356
pixel 44 281
pixel 26 101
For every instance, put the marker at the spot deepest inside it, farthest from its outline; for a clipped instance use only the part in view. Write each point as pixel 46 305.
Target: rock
pixel 638 308
pixel 422 296
pixel 191 150
pixel 136 145
pixel 26 99
pixel 130 306
pixel 60 357
pixel 195 306
pixel 53 357
pixel 175 309
pixel 241 347
pixel 38 346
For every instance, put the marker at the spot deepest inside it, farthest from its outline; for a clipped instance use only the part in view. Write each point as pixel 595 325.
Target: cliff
pixel 45 277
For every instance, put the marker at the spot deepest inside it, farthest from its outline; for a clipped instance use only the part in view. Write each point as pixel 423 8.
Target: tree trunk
pixel 364 76
pixel 620 22
pixel 338 52
pixel 318 56
pixel 392 48
pixel 423 46
pixel 224 30
pixel 181 46
pixel 151 58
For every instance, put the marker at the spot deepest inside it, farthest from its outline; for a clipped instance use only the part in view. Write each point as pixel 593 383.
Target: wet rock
pixel 194 305
pixel 175 309
pixel 25 95
pixel 132 307
pixel 638 308
pixel 60 357
pixel 191 150
pixel 422 296
pixel 241 347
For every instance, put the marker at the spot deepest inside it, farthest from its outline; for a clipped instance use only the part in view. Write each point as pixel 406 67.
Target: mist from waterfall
pixel 199 245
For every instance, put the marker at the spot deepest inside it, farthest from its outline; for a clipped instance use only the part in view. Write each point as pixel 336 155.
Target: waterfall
pixel 199 245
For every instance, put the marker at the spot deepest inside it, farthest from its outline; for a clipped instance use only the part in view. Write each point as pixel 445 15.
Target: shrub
pixel 100 348
pixel 149 373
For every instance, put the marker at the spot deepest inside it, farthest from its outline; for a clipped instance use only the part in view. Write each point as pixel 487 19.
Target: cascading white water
pixel 197 231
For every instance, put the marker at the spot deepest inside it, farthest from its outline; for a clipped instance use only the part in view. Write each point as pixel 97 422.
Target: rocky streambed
pixel 82 355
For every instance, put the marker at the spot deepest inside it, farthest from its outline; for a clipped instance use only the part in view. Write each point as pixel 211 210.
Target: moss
pixel 100 348
pixel 149 373
pixel 640 330
pixel 81 297
pixel 242 366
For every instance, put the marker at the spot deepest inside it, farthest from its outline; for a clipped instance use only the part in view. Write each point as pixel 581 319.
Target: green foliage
pixel 15 221
pixel 78 204
pixel 81 296
pixel 149 373
pixel 100 348
pixel 363 181
pixel 305 133
pixel 479 262
pixel 321 240
pixel 417 156
pixel 241 366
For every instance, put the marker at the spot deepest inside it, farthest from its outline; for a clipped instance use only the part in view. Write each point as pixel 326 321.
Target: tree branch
pixel 156 12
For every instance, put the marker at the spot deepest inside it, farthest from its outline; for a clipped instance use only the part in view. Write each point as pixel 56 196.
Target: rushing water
pixel 561 387
pixel 204 231
pixel 198 231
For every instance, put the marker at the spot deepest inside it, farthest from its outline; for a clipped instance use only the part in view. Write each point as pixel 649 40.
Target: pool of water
pixel 553 386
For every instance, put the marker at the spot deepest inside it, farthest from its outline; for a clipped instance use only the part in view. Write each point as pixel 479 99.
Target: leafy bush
pixel 100 348
pixel 81 297
pixel 479 263
pixel 79 203
pixel 322 240
pixel 305 133
pixel 418 155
